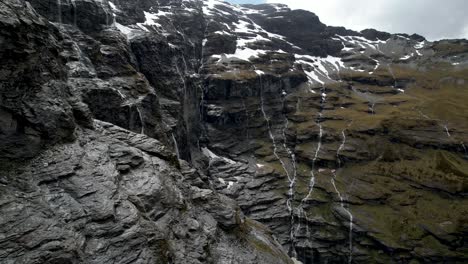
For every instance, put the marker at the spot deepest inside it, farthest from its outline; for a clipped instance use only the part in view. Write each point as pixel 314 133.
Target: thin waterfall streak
pixel 289 202
pixel 445 127
pixel 464 149
pixel 185 65
pixel 272 138
pixel 312 174
pixel 59 10
pixel 291 179
pixel 350 257
pixel 371 108
pixel 319 146
pixel 202 102
pixel 182 78
pixel 290 153
pixel 423 115
pixel 74 12
pixel 342 146
pixel 141 120
pixel 176 146
pixel 202 53
pixel 447 130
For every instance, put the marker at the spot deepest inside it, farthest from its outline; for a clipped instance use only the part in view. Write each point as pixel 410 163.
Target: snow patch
pixel 259 72
pixel 246 53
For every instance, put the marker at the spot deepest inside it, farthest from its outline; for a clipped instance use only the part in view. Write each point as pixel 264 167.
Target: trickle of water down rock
pixel 155 131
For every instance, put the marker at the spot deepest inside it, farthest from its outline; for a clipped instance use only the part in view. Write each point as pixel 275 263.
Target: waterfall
pixel 73 4
pixel 342 146
pixel 303 214
pixel 350 258
pixel 270 133
pixel 141 120
pixel 301 211
pixel 423 115
pixel 319 145
pixel 371 99
pixel 113 8
pixel 120 93
pixel 202 102
pixel 291 178
pixel 59 10
pixel 292 182
pixel 447 131
pixel 185 64
pixel 202 53
pixel 312 174
pixel 371 107
pixel 291 155
pixel 176 146
pixel 182 78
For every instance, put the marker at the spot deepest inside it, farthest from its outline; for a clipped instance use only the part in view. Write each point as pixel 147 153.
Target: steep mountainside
pixel 191 131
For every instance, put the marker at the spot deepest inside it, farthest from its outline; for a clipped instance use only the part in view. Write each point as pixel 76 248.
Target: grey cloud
pixel 434 19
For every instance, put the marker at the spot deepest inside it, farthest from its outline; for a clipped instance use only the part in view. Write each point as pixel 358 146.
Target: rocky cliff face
pixel 175 131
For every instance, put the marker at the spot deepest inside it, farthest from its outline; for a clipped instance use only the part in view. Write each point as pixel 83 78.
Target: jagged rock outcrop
pixel 79 190
pixel 176 131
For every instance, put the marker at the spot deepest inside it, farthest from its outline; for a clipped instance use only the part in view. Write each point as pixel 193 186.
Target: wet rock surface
pixel 178 131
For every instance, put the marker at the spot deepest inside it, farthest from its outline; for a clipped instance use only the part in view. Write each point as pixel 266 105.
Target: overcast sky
pixel 434 19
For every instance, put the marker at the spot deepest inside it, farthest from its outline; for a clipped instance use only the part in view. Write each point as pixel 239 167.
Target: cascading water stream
pixel 292 183
pixel 202 102
pixel 447 130
pixel 202 64
pixel 301 212
pixel 73 4
pixel 341 148
pixel 292 157
pixel 464 149
pixel 182 78
pixel 423 115
pixel 350 257
pixel 141 120
pixel 59 10
pixel 176 146
pixel 371 99
pixel 291 178
pixel 319 145
pixel 204 40
pixel 445 126
pixel 270 133
pixel 372 108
